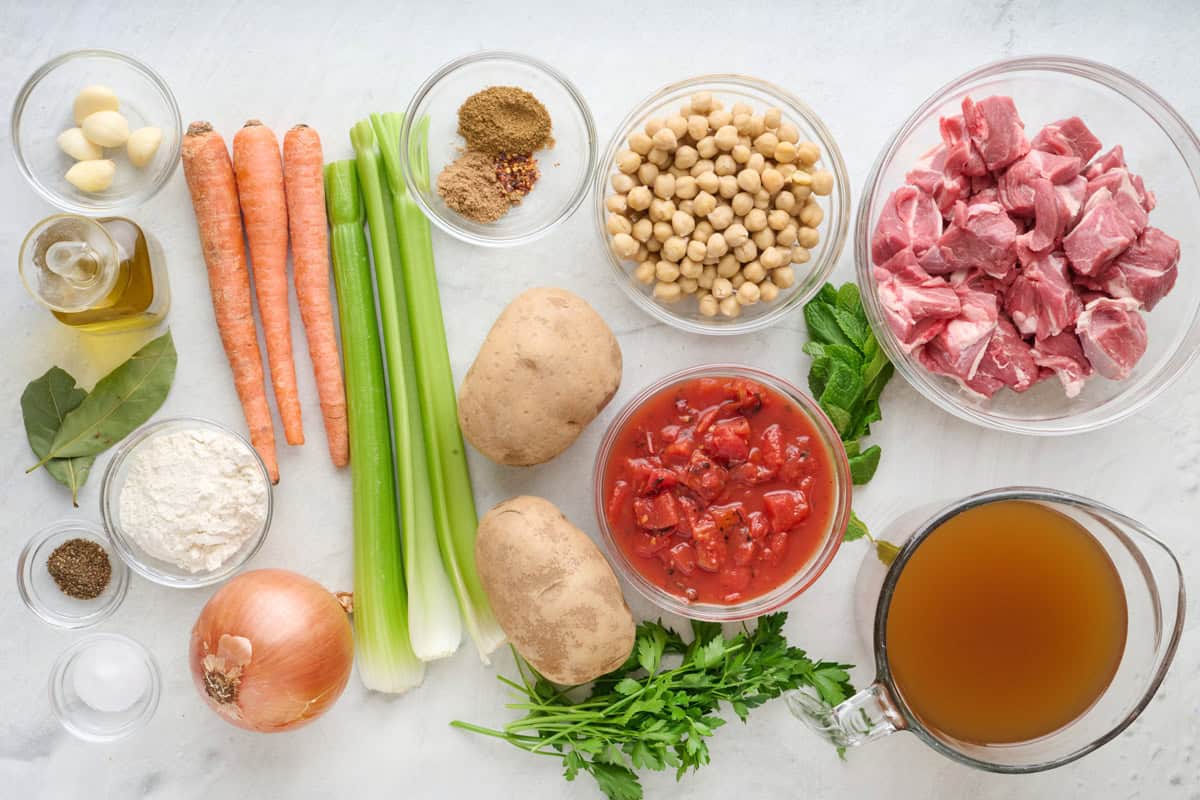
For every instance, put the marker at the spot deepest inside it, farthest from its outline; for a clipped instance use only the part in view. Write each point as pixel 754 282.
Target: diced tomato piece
pixel 757 525
pixel 709 544
pixel 690 515
pixel 775 548
pixel 704 477
pixel 678 452
pixel 745 551
pixel 707 418
pixel 619 499
pixel 669 433
pixel 647 546
pixel 751 474
pixel 770 442
pixel 797 463
pixel 649 477
pixel 658 513
pixel 736 579
pixel 729 440
pixel 807 485
pixel 786 508
pixel 729 517
pixel 748 396
pixel 683 558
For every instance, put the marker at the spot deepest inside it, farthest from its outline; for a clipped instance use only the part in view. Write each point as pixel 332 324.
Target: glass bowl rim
pixel 915 375
pixel 58 670
pixel 61 201
pixel 130 553
pixel 821 270
pixel 448 225
pixel 25 566
pixel 794 586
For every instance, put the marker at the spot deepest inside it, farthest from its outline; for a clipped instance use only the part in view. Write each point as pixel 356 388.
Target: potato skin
pixel 552 591
pixel 548 366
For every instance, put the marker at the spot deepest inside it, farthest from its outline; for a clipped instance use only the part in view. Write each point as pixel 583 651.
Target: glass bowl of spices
pixel 497 148
pixel 69 575
pixel 186 501
pixel 104 687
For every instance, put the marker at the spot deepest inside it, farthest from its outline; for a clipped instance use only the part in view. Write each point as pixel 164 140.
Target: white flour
pixel 193 497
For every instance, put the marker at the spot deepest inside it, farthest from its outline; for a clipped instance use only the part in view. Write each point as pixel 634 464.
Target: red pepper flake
pixel 517 174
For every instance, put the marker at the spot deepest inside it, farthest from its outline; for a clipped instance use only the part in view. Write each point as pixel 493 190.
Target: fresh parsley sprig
pixel 648 715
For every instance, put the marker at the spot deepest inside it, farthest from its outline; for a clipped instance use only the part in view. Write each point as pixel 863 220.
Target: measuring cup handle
pixel 871 714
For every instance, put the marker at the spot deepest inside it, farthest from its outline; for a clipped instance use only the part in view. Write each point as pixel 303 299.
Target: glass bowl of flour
pixel 186 502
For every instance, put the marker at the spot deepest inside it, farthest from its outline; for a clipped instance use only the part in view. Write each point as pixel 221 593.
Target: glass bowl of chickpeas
pixel 723 204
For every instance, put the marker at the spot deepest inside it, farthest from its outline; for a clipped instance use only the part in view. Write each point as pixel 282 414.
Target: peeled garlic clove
pixel 142 145
pixel 92 99
pixel 76 145
pixel 105 128
pixel 92 176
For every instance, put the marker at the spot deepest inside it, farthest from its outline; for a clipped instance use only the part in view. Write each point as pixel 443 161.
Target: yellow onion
pixel 271 651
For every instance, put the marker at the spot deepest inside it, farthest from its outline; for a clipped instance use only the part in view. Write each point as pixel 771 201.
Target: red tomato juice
pixel 719 490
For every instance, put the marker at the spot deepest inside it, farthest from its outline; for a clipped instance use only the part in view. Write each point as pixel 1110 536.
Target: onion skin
pixel 287 653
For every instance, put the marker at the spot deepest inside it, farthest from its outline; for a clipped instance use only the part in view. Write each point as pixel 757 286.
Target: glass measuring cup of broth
pixel 1017 630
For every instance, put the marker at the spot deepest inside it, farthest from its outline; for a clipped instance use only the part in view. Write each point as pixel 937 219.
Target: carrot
pixel 264 211
pixel 303 162
pixel 210 180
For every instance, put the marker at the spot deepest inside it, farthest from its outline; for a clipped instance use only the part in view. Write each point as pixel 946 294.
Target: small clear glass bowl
pixel 810 276
pixel 805 577
pixel 90 724
pixel 565 167
pixel 1159 145
pixel 145 564
pixel 43 110
pixel 41 594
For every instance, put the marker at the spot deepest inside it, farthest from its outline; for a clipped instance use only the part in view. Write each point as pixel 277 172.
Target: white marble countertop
pixel 863 66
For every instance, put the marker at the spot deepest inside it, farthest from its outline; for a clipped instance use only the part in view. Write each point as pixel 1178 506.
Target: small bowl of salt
pixel 104 687
pixel 186 501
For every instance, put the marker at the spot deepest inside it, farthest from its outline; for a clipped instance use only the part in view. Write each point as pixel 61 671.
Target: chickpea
pixel 640 143
pixel 618 224
pixel 741 121
pixel 788 133
pixel 749 180
pixel 689 285
pixel 787 236
pixel 624 245
pixel 757 163
pixel 622 183
pixel 674 248
pixel 785 201
pixel 645 272
pixel 702 102
pixel 662 231
pixel 685 206
pixel 756 128
pixel 667 292
pixel 746 252
pixel 762 200
pixel 807 237
pixel 677 125
pixel 677 171
pixel 786 171
pixel 653 126
pixel 683 224
pixel 722 288
pixel 653 245
pixel 700 167
pixel 800 255
pixel 666 272
pixel 742 202
pixel 808 153
pixel 802 194
pixel 740 153
pixel 756 220
pixel 721 218
pixel 628 161
pixel 725 165
pixel 708 274
pixel 771 258
pixel 773 118
pixel 717 246
pixel 686 156
pixel 730 307
pixel 768 292
pixel 725 138
pixel 697 126
pixel 736 234
pixel 686 188
pixel 812 214
pixel 765 143
pixel 822 182
pixel 646 173
pixel 777 220
pixel 729 187
pixel 740 108
pixel 745 141
pixel 708 182
pixel 754 272
pixel 708 306
pixel 763 239
pixel 728 266
pixel 689 268
pixel 704 203
pixel 641 255
pixel 785 152
pixel 772 180
pixel 747 293
pixel 685 110
pixel 642 229
pixel 704 229
pixel 664 186
pixel 783 277
pixel 697 250
pixel 616 203
pixel 659 158
pixel 737 280
pixel 719 118
pixel 661 210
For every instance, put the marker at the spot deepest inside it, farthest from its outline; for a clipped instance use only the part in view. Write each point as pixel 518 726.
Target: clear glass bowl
pixel 1159 145
pixel 810 276
pixel 565 167
pixel 41 594
pixel 83 720
pixel 43 110
pixel 145 564
pixel 805 576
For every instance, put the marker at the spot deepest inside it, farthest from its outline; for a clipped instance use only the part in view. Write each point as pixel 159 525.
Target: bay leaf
pixel 45 402
pixel 119 402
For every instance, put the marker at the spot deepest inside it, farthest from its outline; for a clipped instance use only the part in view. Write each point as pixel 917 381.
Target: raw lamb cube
pixel 962 157
pixel 1113 335
pixel 1067 137
pixel 1008 359
pixel 1017 183
pixel 981 237
pixel 996 129
pixel 915 303
pixel 909 219
pixel 1063 355
pixel 1041 300
pixel 1101 235
pixel 1146 271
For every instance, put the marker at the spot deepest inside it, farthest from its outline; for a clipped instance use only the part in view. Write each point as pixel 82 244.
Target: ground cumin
pixel 504 119
pixel 80 568
pixel 470 187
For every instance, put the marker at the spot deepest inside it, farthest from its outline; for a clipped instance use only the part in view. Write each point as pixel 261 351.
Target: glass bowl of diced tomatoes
pixel 722 492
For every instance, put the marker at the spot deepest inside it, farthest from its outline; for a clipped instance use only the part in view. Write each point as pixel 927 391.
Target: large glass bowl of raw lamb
pixel 1027 246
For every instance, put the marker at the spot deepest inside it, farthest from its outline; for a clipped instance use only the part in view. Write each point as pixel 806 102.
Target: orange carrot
pixel 214 193
pixel 302 177
pixel 264 211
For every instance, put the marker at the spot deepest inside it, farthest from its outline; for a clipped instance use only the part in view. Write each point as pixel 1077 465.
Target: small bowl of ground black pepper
pixel 69 575
pixel 498 148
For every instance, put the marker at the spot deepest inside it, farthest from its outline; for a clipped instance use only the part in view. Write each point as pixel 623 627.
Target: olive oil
pixel 99 276
pixel 1007 623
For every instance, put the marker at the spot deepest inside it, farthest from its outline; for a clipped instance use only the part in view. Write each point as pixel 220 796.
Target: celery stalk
pixel 386 661
pixel 434 623
pixel 454 503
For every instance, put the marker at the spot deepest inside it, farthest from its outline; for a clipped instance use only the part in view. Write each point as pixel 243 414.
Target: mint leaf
pixel 856 329
pixel 856 529
pixel 822 325
pixel 864 464
pixel 818 374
